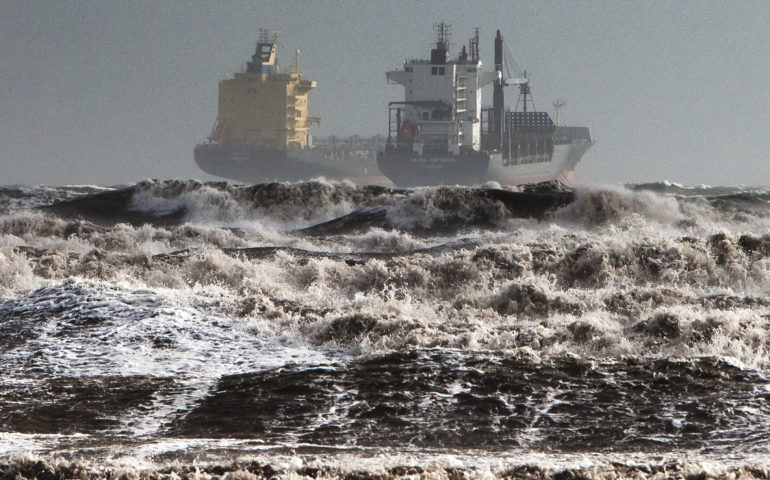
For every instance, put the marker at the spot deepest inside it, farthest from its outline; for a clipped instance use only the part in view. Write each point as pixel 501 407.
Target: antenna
pixel 443 33
pixel 440 54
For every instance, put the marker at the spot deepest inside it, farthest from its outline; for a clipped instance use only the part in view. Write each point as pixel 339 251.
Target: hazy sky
pixel 118 91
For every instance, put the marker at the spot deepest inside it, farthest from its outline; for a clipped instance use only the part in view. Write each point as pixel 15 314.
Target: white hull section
pixel 560 167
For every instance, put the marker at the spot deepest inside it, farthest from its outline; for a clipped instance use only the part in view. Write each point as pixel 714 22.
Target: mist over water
pixel 325 330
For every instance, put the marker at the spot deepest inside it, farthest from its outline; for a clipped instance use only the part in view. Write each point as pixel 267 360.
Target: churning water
pixel 317 330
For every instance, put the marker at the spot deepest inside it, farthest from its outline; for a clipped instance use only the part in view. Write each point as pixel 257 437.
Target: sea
pixel 175 330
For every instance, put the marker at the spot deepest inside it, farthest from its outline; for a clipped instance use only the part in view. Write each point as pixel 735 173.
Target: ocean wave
pixel 381 318
pixel 566 295
pixel 325 209
pixel 385 466
pixel 441 209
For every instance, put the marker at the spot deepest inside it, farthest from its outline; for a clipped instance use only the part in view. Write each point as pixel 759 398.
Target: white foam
pixel 201 347
pixel 141 461
pixel 583 283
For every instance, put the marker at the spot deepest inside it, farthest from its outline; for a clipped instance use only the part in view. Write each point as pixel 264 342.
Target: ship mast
pixel 474 46
pixel 525 92
pixel 498 97
pixel 440 54
pixel 558 117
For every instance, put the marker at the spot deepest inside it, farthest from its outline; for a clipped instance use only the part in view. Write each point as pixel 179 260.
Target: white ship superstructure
pixel 441 134
pixel 442 101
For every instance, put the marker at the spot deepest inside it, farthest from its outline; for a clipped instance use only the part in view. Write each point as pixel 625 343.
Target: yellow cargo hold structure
pixel 263 106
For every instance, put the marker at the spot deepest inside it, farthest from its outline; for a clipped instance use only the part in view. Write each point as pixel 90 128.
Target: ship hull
pixel 408 169
pixel 260 165
pixel 392 165
pixel 560 168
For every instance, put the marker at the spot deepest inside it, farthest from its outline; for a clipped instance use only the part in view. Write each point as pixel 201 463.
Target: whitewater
pixel 180 329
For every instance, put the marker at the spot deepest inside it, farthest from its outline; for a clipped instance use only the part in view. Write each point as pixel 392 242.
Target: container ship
pixel 441 134
pixel 438 135
pixel 262 131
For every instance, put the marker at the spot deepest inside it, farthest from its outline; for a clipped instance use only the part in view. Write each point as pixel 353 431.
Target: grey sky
pixel 115 92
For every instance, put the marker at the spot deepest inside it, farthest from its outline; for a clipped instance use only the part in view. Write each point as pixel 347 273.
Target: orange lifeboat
pixel 406 132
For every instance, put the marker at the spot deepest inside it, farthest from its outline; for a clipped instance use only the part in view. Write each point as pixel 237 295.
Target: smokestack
pixel 498 98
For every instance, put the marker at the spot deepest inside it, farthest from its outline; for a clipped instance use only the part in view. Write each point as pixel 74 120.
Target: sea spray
pixel 183 319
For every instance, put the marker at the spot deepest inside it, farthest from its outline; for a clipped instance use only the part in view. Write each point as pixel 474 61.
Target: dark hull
pixel 407 169
pixel 260 165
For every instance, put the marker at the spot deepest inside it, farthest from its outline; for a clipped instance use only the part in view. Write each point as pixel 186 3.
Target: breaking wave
pixel 323 316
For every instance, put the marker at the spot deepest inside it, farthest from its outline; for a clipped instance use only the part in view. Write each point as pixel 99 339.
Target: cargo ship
pixel 262 130
pixel 440 133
